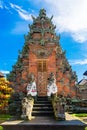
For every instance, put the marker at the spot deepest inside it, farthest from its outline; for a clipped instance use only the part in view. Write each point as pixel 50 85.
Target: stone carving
pixel 42 42
pixel 51 87
pixel 33 18
pixel 27 106
pixel 59 107
pixel 31 87
pixel 58 50
pixel 42 53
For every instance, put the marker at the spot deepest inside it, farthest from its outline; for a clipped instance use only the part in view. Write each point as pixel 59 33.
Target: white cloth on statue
pixel 51 89
pixel 31 89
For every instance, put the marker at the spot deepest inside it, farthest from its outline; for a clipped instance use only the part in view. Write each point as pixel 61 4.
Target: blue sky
pixel 70 18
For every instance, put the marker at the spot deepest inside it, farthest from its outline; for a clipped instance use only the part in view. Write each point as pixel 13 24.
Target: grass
pixel 85 128
pixel 4 117
pixel 80 115
pixel 1 128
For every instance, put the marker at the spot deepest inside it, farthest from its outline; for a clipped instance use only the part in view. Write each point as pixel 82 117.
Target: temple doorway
pixel 42 77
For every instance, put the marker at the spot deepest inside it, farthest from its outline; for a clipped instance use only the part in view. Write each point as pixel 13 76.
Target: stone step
pixel 42 102
pixel 42 105
pixel 42 113
pixel 45 123
pixel 42 108
pixel 26 126
pixel 42 97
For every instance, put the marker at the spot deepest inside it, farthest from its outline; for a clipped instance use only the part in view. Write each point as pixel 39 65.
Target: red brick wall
pixel 65 86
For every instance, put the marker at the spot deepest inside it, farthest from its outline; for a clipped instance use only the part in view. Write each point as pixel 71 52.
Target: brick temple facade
pixel 41 55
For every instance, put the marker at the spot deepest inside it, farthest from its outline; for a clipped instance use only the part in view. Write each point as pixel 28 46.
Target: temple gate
pixel 41 55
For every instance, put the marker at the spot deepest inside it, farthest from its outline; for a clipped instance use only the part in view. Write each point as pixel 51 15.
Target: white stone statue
pixel 31 87
pixel 51 87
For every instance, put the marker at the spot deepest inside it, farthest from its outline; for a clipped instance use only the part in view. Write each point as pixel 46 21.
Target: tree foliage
pixel 5 93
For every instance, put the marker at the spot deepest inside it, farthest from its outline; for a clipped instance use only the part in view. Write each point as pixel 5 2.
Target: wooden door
pixel 42 77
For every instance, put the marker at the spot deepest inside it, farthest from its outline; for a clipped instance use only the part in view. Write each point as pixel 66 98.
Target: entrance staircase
pixel 43 119
pixel 42 107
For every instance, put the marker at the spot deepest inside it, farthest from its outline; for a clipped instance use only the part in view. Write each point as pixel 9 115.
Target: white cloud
pixel 5 72
pixel 22 13
pixel 4 6
pixel 1 4
pixel 80 36
pixel 78 62
pixel 70 16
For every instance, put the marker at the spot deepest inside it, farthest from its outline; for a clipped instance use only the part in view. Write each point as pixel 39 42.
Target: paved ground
pixel 45 123
pixel 82 119
pixel 70 120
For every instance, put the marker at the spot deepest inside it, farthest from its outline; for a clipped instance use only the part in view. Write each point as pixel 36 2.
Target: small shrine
pixel 42 70
pixel 82 85
pixel 1 75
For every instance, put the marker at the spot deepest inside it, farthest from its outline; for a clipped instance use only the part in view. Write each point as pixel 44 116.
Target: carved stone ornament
pixel 41 52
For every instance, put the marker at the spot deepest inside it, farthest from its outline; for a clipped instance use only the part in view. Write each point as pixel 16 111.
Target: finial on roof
pixel 33 17
pixel 51 18
pixel 42 13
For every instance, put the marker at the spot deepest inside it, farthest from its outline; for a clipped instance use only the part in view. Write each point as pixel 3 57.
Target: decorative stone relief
pixel 42 53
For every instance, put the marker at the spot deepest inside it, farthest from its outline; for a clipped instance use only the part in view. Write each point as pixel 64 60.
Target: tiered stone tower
pixel 41 55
